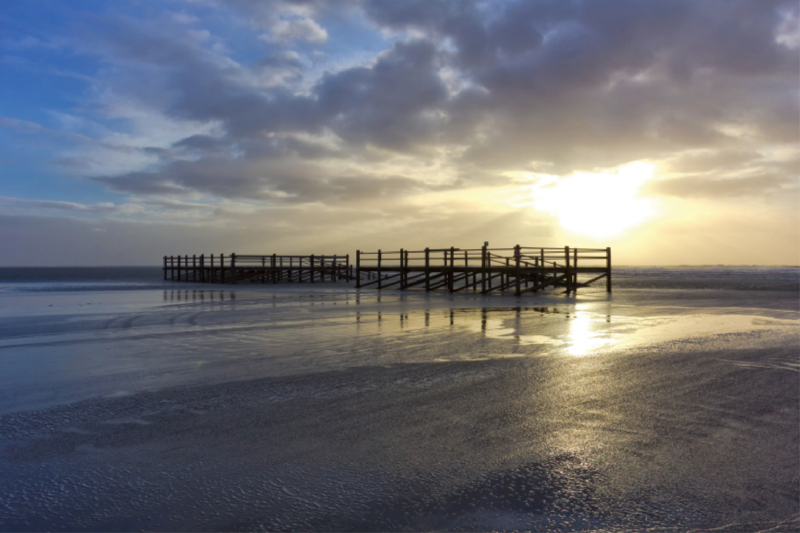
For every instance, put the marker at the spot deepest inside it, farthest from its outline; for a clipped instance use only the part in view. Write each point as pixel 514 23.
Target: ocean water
pixel 83 279
pixel 127 402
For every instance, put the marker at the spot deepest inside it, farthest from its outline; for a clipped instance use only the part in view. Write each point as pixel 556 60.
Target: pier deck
pixel 518 269
pixel 274 268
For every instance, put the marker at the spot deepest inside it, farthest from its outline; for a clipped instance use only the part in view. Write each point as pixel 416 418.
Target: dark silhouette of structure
pixel 518 269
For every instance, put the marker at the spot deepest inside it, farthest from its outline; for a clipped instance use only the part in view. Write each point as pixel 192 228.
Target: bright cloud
pixel 346 119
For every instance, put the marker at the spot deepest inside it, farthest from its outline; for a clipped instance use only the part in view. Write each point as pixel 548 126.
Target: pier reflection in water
pixel 195 295
pixel 584 332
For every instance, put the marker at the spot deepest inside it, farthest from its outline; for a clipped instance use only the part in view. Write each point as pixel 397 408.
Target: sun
pixel 596 205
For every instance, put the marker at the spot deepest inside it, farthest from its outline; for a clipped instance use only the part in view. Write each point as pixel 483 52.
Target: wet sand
pixel 313 408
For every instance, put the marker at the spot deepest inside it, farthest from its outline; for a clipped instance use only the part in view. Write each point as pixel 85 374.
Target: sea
pixel 132 403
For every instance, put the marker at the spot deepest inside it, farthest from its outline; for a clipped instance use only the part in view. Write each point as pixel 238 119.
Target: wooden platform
pixel 518 269
pixel 257 268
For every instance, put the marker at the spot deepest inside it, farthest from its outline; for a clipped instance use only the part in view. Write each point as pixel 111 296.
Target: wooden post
pixel 517 254
pixel 358 269
pixel 380 277
pixel 234 279
pixel 466 270
pixel 179 268
pixel 483 268
pixel 542 277
pixel 608 269
pixel 406 262
pixel 489 266
pixel 575 266
pixel 567 272
pixel 213 273
pixel 347 267
pixel 452 268
pixel 165 268
pixel 194 267
pixel 427 269
pixel 402 272
pixel 202 268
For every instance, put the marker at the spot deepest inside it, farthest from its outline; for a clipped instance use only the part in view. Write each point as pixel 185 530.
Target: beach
pixel 128 403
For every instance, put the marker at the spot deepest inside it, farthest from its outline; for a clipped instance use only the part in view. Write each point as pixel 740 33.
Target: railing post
pixel 567 272
pixel 202 268
pixel 452 268
pixel 427 269
pixel 406 263
pixel 222 268
pixel 194 267
pixel 466 272
pixel 165 268
pixel 402 272
pixel 179 268
pixel 358 269
pixel 380 277
pixel 213 275
pixel 273 263
pixel 234 277
pixel 608 269
pixel 517 257
pixel 575 272
pixel 347 267
pixel 483 268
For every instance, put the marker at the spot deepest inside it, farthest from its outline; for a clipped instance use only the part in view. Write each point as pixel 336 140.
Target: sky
pixel 668 130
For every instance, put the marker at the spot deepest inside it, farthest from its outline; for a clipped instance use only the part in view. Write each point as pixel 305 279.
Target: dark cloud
pixel 386 105
pixel 277 182
pixel 569 84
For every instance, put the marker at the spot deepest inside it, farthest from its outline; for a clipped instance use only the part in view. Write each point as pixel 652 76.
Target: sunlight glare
pixel 583 339
pixel 597 205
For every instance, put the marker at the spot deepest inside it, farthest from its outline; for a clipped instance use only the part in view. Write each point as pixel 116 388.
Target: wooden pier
pixel 518 269
pixel 257 268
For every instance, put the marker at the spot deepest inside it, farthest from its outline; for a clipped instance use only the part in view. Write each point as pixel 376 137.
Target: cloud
pixel 698 186
pixel 234 115
pixel 285 31
pixel 100 208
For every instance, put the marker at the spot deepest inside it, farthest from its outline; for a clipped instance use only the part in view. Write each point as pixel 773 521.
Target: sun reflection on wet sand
pixel 583 337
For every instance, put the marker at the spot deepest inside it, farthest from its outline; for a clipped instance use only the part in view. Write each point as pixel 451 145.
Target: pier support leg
pixel 358 269
pixel 380 276
pixel 427 269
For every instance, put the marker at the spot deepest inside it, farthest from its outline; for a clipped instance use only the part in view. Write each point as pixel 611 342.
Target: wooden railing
pixel 235 268
pixel 488 269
